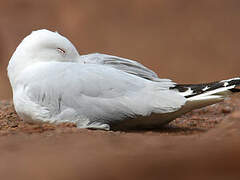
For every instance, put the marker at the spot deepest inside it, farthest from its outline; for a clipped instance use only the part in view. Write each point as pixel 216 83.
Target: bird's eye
pixel 61 50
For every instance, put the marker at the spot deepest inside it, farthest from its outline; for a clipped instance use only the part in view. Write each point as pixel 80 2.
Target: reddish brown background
pixel 187 41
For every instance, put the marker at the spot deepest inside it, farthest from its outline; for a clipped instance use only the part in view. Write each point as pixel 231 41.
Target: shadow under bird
pixel 52 83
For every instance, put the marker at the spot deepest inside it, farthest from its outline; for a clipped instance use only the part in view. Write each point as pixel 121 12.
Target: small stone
pixel 226 110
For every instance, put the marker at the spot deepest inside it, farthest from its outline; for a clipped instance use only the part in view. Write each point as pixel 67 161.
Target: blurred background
pixel 187 41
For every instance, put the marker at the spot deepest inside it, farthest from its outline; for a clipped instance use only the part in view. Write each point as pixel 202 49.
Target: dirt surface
pixel 203 144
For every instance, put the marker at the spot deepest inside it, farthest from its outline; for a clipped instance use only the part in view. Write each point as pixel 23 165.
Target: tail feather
pixel 200 95
pixel 223 88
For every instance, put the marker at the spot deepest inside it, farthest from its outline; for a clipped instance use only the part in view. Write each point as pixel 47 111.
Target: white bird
pixel 52 83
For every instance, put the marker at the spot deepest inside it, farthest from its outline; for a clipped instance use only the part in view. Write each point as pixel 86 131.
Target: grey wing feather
pixel 126 65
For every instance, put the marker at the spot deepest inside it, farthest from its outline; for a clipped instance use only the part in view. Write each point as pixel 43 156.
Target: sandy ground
pixel 203 144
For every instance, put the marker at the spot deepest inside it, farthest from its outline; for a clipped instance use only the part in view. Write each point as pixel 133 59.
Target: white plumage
pixel 51 82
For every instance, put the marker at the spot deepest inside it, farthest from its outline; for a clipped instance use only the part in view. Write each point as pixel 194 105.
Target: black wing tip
pixel 205 87
pixel 234 90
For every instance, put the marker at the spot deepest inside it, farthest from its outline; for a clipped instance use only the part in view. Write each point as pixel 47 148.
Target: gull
pixel 53 83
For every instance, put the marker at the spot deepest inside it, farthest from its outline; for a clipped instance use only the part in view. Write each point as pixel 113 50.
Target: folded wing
pixel 126 65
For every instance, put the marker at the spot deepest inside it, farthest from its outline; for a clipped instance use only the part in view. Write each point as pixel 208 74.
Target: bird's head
pixel 42 46
pixel 45 45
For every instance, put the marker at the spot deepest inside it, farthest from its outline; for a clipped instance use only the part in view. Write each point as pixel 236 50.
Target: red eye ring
pixel 61 50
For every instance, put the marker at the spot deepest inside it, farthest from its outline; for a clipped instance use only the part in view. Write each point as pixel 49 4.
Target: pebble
pixel 226 110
